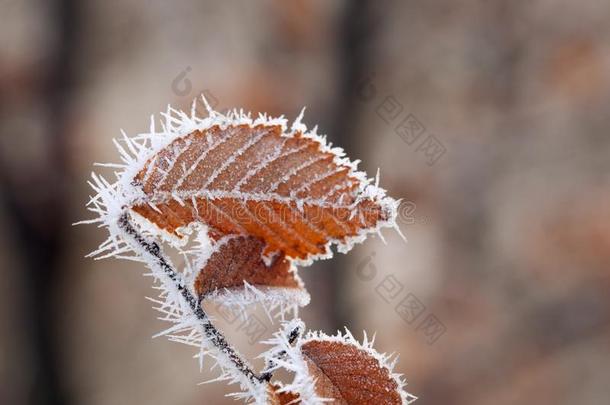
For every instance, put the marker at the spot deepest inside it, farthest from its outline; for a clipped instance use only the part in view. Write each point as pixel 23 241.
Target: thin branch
pixel 214 335
pixel 292 337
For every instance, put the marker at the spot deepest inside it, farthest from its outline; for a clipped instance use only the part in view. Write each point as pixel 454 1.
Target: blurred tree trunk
pixel 354 53
pixel 35 198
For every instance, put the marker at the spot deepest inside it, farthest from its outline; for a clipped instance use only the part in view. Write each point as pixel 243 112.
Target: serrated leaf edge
pixel 303 383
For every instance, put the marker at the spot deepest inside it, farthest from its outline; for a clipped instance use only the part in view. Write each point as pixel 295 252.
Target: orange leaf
pixel 349 375
pixel 237 260
pixel 288 190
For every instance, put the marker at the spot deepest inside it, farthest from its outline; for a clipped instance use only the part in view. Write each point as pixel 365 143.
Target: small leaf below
pixel 237 262
pixel 239 259
pixel 349 375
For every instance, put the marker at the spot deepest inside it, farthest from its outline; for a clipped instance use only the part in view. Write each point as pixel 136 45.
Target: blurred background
pixel 490 119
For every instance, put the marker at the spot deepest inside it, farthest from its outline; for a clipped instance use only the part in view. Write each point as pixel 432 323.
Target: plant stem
pixel 292 337
pixel 214 335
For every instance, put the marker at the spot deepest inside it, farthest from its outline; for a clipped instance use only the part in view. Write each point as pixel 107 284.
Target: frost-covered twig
pixel 215 337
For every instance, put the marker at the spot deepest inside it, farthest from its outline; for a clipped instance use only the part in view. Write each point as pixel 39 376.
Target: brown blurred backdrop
pixel 490 119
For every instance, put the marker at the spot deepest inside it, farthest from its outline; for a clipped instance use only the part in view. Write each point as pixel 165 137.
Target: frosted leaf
pixel 338 369
pixel 236 274
pixel 254 178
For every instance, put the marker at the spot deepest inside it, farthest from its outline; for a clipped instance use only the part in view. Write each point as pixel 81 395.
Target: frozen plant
pixel 244 201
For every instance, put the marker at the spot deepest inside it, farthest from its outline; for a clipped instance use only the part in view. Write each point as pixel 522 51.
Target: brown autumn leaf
pixel 238 259
pixel 349 375
pixel 336 368
pixel 288 190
